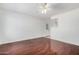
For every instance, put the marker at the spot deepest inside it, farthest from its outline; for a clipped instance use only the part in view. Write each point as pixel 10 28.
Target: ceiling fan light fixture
pixel 44 8
pixel 44 11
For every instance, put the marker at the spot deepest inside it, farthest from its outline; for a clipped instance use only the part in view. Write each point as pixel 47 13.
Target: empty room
pixel 39 28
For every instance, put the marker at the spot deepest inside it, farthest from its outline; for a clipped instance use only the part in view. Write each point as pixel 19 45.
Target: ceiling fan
pixel 44 8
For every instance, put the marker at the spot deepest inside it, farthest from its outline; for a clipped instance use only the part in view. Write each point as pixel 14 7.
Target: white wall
pixel 16 26
pixel 68 27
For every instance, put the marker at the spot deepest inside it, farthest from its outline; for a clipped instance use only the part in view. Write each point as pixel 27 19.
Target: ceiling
pixel 33 9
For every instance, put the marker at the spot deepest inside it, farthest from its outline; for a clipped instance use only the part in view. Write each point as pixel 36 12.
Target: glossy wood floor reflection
pixel 39 46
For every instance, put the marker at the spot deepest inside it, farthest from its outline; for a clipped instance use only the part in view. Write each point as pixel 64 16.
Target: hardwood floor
pixel 39 46
pixel 62 48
